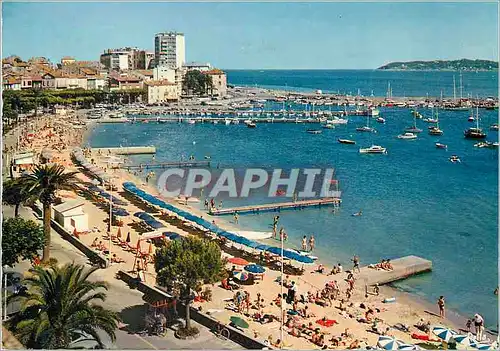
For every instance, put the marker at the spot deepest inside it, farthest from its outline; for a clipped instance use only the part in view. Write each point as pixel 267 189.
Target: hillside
pixel 443 65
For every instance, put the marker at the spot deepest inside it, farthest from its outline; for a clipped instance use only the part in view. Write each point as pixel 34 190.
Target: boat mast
pixel 437 118
pixel 461 87
pixel 454 90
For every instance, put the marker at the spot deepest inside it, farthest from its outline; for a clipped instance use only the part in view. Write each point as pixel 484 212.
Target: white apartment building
pixel 170 49
pixel 160 91
pixel 116 60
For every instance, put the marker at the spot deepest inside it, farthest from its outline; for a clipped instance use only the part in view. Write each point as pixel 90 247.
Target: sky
pixel 259 35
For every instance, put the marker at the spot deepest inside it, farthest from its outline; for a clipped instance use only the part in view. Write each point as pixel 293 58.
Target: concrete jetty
pixel 403 268
pixel 159 165
pixel 128 150
pixel 278 206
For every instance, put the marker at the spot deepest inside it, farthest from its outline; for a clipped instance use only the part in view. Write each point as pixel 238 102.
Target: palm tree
pixel 14 194
pixel 42 184
pixel 58 309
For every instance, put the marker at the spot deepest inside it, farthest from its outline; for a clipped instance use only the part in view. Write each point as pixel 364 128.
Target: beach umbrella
pixel 465 339
pixel 172 235
pixel 238 261
pixel 409 347
pixel 120 212
pixel 254 268
pixel 389 343
pixel 239 322
pixel 241 276
pixel 128 237
pixel 443 333
pixel 479 346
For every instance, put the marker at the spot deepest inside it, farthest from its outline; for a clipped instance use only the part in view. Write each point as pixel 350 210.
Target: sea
pixel 414 201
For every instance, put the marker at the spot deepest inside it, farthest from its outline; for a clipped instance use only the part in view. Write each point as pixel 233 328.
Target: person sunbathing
pixel 354 345
pixel 346 333
pixel 94 243
pixel 320 269
pixel 116 259
pixel 388 265
pixel 101 246
pixel 295 332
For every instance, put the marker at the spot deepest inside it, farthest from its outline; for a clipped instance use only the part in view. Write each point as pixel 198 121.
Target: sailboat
pixel 366 128
pixel 414 128
pixel 475 133
pixel 435 130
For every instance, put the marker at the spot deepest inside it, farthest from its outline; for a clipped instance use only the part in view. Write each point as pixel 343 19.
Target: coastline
pixel 454 319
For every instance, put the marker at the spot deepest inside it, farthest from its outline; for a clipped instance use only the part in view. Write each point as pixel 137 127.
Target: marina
pixel 276 207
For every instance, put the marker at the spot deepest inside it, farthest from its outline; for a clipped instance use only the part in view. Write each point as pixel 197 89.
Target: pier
pixel 160 165
pixel 278 206
pixel 129 150
pixel 402 268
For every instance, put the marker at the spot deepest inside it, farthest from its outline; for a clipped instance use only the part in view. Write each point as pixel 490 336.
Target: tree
pixel 58 310
pixel 21 239
pixel 42 184
pixel 197 83
pixel 185 264
pixel 37 94
pixel 14 194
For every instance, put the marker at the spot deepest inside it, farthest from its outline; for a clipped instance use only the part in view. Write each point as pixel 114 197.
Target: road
pixel 127 302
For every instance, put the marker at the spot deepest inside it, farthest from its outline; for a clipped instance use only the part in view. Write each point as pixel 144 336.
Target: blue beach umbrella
pixel 389 343
pixel 464 340
pixel 141 215
pixel 172 235
pixel 255 268
pixel 480 346
pixel 443 333
pixel 120 212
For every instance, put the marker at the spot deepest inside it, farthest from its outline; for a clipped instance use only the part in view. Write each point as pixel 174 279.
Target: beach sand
pixel 405 309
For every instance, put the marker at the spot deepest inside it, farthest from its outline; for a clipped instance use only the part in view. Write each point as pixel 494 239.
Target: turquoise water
pixel 403 83
pixel 414 200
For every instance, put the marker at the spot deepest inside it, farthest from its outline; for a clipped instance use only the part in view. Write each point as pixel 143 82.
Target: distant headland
pixel 443 65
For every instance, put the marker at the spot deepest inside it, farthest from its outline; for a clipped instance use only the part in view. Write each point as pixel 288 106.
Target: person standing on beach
pixel 304 243
pixel 355 261
pixel 440 303
pixel 479 325
pixel 311 243
pixel 275 225
pixel 236 217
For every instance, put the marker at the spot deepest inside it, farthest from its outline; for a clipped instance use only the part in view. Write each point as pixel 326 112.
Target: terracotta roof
pixel 214 72
pixel 156 83
pixel 144 72
pixel 125 78
pixel 12 80
pixel 32 77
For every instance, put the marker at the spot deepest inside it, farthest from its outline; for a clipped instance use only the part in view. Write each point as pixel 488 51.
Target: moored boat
pixel 365 129
pixel 441 146
pixel 374 149
pixel 455 159
pixel 314 131
pixel 475 133
pixel 381 120
pixel 407 136
pixel 494 126
pixel 346 141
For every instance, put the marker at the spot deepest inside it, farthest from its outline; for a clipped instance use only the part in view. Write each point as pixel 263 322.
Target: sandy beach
pixel 345 331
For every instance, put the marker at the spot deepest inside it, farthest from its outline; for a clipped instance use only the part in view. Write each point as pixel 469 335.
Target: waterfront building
pixel 219 82
pixel 161 91
pixel 170 49
pixel 123 82
pixel 31 82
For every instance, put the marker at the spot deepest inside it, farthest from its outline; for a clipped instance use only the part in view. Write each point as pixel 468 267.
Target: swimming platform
pixel 278 206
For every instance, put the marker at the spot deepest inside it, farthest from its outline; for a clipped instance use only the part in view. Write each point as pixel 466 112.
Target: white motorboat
pixel 381 120
pixel 337 120
pixel 227 122
pixel 191 121
pixel 328 126
pixel 365 129
pixel 374 149
pixel 407 136
pixel 430 120
pixel 441 146
pixel 373 112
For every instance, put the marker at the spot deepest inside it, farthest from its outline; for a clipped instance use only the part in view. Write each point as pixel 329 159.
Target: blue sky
pixel 259 35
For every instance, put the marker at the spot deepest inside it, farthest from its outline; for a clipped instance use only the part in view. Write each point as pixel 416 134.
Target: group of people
pixel 385 264
pixel 211 205
pixel 311 242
